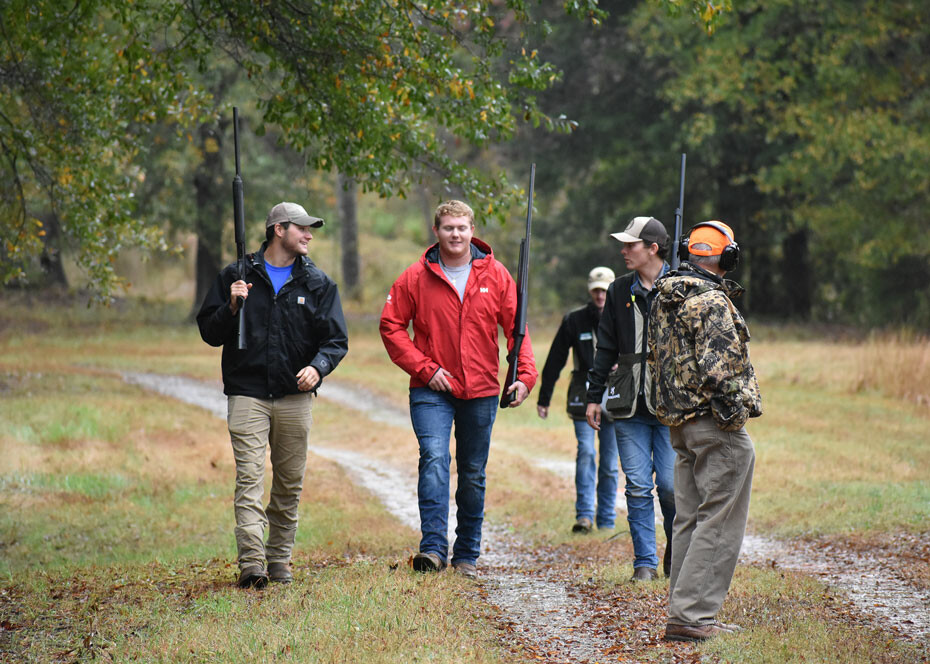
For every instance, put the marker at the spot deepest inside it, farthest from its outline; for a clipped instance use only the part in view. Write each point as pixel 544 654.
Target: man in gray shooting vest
pixel 643 442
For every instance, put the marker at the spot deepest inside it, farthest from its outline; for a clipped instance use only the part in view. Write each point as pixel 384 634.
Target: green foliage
pixel 705 12
pixel 80 82
pixel 806 128
pixel 620 162
pixel 822 112
pixel 376 90
pixel 384 92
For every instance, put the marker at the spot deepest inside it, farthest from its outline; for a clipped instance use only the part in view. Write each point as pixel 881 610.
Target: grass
pixel 334 612
pixel 797 619
pixel 833 458
pixel 116 520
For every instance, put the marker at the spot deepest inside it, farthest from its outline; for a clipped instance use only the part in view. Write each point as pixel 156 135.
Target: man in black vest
pixel 578 334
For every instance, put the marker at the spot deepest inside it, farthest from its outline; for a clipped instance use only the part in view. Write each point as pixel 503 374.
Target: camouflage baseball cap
pixel 284 213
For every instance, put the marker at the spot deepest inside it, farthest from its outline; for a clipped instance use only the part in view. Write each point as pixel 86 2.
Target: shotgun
pixel 239 223
pixel 676 249
pixel 519 326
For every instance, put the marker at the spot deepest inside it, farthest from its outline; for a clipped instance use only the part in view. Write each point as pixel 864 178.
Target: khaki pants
pixel 713 478
pixel 284 426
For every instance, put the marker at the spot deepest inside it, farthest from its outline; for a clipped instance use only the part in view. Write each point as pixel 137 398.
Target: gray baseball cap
pixel 647 229
pixel 293 213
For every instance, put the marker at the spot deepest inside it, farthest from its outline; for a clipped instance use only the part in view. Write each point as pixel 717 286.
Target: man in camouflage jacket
pixel 706 390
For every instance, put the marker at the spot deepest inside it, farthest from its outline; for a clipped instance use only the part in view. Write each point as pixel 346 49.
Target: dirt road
pixel 540 604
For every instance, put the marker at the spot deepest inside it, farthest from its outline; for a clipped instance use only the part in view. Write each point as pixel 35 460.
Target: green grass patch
pixel 87 485
pixel 361 611
pixel 792 618
pixel 70 521
pixel 36 416
pixel 832 463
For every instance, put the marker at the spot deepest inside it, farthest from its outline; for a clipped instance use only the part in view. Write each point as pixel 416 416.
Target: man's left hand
pixel 307 379
pixel 520 396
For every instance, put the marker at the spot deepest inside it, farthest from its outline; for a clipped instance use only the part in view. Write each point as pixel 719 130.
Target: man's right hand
pixel 593 414
pixel 236 290
pixel 439 382
pixel 542 411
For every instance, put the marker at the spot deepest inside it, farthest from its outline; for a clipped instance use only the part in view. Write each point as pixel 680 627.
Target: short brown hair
pixel 453 209
pixel 269 230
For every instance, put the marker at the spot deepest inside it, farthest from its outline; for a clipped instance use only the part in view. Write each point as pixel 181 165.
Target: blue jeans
pixel 645 450
pixel 432 414
pixel 604 471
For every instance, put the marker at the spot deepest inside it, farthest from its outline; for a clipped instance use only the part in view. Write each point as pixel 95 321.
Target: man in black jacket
pixel 296 335
pixel 646 454
pixel 578 333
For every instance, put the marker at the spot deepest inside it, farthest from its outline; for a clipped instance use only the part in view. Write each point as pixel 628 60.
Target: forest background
pixel 805 126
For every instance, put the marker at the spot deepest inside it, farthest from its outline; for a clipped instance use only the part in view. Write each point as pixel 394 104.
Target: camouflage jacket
pixel 698 351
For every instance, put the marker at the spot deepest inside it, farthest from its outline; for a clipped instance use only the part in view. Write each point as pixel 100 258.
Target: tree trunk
pixel 211 205
pixel 50 260
pixel 348 218
pixel 428 209
pixel 796 275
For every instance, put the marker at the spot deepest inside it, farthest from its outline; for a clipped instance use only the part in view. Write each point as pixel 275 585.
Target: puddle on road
pixel 542 609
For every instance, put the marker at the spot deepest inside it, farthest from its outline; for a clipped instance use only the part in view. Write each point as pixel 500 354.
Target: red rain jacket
pixel 461 337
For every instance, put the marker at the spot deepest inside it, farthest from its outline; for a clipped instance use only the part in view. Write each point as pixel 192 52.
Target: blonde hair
pixel 453 209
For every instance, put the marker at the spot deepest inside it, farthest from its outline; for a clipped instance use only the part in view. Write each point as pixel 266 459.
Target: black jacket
pixel 622 339
pixel 576 333
pixel 302 325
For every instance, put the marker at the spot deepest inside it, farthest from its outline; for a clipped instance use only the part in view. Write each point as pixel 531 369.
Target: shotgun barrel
pixel 519 326
pixel 675 249
pixel 239 223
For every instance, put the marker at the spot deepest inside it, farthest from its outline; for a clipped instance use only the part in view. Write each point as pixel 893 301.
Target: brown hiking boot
pixel 644 574
pixel 280 573
pixel 583 525
pixel 428 562
pixel 466 569
pixel 693 632
pixel 252 576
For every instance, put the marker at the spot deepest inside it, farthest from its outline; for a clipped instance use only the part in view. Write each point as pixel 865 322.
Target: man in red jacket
pixel 455 295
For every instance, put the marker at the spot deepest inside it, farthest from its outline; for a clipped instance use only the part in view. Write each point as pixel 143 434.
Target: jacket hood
pixel 690 280
pixel 479 249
